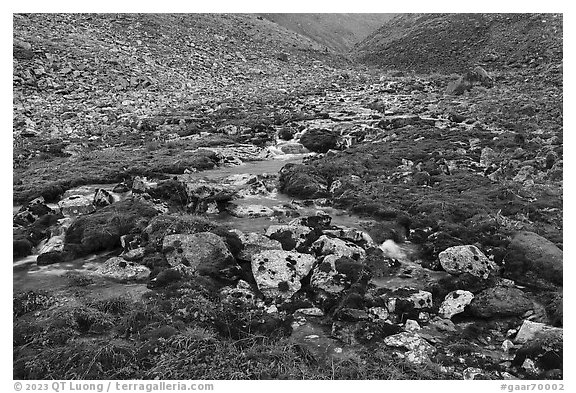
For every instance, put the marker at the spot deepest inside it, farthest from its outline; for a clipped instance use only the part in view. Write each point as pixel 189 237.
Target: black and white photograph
pixel 216 196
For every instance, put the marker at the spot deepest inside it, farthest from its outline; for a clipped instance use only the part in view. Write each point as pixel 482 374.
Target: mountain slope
pixel 339 32
pixel 454 42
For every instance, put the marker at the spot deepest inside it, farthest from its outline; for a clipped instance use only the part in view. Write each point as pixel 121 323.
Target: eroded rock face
pixel 531 253
pixel 120 269
pixel 455 303
pixel 500 302
pixel 466 259
pixel 278 273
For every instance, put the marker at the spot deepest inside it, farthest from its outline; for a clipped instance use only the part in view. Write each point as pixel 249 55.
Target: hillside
pixel 338 32
pixel 454 42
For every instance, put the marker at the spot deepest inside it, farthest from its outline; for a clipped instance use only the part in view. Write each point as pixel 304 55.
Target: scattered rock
pixel 76 205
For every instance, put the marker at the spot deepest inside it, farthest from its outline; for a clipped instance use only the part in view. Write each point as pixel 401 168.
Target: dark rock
pixel 21 247
pixel 286 133
pixel 102 198
pixel 500 302
pixel 302 181
pixel 121 188
pixel 545 350
pixel 530 253
pixel 319 140
pixel 164 278
pixel 102 229
pixel 172 191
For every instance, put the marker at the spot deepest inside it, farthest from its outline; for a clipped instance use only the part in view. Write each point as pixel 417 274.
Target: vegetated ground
pixel 105 98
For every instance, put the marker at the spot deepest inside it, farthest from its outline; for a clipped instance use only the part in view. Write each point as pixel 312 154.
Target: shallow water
pixel 27 275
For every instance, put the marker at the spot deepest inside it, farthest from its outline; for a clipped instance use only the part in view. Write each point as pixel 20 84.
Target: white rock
pixel 419 350
pixel 455 303
pixel 530 329
pixel 278 273
pixel 466 259
pixel 120 269
pixel 76 205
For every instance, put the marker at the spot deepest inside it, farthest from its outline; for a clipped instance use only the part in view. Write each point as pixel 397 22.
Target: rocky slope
pixel 452 42
pixel 338 32
pixel 314 219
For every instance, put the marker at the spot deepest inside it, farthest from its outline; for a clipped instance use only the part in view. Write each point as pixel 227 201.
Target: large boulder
pixel 302 181
pixel 278 273
pixel 319 140
pixel 204 252
pixel 102 229
pixel 500 301
pixel 531 254
pixel 466 259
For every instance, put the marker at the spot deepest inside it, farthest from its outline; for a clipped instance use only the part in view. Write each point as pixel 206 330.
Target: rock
pixel 282 56
pixel 459 86
pixel 164 278
pixel 120 269
pixel 102 229
pixel 341 248
pixel 292 237
pixel 53 251
pixel 352 234
pixel 335 274
pixel 500 302
pixel 302 181
pixel 320 220
pixel 254 243
pixel 121 188
pixel 544 350
pixel 466 259
pixel 293 148
pixel 31 212
pixel 142 184
pixel 531 253
pixel 241 296
pixel 399 121
pixel 411 326
pixel 203 252
pixel 406 300
pixel 319 140
pixel 76 205
pixel 455 303
pixel 418 349
pixel 249 211
pixel 278 273
pixel 135 254
pixel 172 191
pixel 102 198
pixel 529 330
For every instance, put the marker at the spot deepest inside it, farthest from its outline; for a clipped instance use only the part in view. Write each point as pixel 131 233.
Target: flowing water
pixel 28 275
